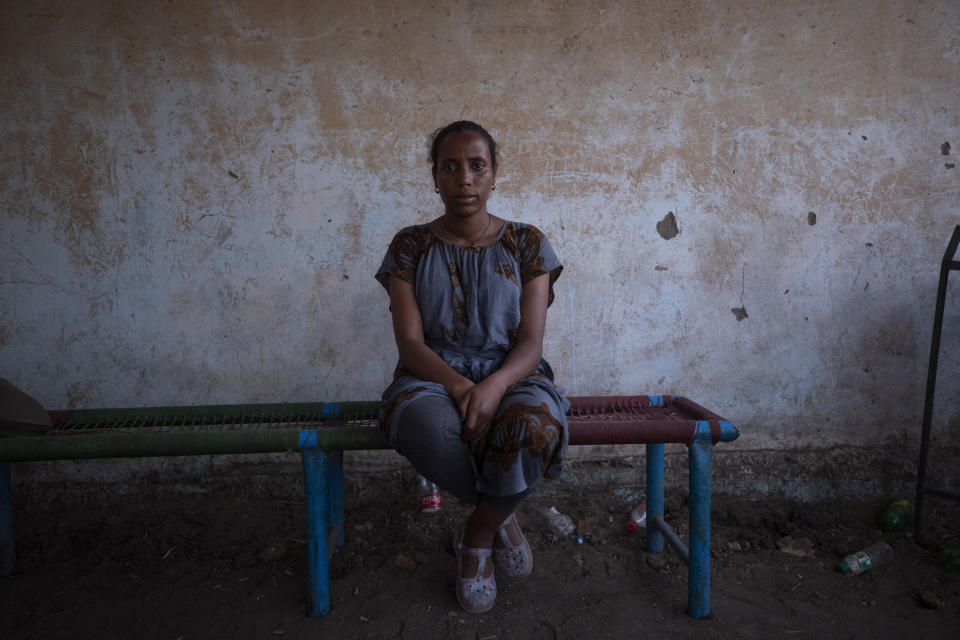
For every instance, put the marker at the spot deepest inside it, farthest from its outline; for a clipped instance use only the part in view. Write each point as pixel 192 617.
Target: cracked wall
pixel 751 198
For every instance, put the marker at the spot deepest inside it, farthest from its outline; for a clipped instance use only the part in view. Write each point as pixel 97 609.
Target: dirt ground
pixel 205 566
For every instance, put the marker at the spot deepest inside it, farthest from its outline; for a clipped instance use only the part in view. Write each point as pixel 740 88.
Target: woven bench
pixel 323 431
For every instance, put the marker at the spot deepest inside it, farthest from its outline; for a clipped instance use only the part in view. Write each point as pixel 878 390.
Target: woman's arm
pixel 415 356
pixel 480 402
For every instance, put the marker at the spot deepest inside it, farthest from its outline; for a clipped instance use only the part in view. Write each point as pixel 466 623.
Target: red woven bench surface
pixel 638 420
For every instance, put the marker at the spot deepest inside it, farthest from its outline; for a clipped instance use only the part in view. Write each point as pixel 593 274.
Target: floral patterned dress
pixel 469 298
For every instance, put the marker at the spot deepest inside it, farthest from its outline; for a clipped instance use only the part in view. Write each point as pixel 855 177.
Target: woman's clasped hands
pixel 478 404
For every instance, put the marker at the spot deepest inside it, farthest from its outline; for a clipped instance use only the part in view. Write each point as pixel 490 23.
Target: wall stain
pixel 741 312
pixel 77 395
pixel 667 228
pixel 224 231
pixel 945 149
pixel 811 218
pixel 82 172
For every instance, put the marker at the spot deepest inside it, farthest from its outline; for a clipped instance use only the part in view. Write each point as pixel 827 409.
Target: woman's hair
pixel 457 127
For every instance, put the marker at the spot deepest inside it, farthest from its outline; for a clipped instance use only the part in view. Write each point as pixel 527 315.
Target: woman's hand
pixel 478 405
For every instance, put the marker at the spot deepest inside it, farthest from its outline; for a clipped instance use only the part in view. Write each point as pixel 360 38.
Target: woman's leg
pixel 489 515
pixel 526 441
pixel 525 444
pixel 428 435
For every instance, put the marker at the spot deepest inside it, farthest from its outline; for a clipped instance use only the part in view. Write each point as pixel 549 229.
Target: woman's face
pixel 465 174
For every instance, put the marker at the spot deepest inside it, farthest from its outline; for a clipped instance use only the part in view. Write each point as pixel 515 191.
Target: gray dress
pixel 469 299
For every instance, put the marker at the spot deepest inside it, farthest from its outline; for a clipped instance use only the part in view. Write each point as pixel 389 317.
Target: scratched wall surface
pixel 751 198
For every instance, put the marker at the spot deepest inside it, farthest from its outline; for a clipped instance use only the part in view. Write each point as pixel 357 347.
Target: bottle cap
pixel 842 568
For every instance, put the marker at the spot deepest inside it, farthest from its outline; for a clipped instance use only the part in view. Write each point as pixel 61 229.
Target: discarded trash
pixel 404 562
pixel 273 552
pixel 549 520
pixel 950 559
pixel 872 556
pixel 800 547
pixel 429 496
pixel 584 533
pixel 897 516
pixel 638 518
pixel 929 600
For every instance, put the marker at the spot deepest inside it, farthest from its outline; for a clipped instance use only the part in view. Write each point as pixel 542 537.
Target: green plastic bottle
pixel 950 559
pixel 897 516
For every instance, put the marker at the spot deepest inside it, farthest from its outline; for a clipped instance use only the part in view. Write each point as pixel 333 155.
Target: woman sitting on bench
pixel 472 404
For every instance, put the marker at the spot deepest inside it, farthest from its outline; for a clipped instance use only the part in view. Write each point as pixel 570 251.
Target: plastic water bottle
pixel 638 518
pixel 429 496
pixel 872 556
pixel 897 516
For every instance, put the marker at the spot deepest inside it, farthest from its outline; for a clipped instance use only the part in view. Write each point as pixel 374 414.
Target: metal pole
pixel 654 495
pixel 335 487
pixel 701 469
pixel 8 550
pixel 657 523
pixel 186 443
pixel 945 267
pixel 318 559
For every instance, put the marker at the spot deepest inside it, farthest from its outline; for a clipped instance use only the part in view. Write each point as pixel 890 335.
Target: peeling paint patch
pixel 740 313
pixel 949 165
pixel 667 228
pixel 659 267
pixel 811 218
pixel 945 149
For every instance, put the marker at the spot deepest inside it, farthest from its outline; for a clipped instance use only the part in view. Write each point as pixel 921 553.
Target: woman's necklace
pixel 473 243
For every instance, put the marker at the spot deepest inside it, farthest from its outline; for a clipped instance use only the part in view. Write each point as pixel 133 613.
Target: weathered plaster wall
pixel 195 195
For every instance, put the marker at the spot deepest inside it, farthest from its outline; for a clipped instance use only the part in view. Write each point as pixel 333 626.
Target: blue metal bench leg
pixel 335 490
pixel 701 470
pixel 654 496
pixel 8 552
pixel 315 480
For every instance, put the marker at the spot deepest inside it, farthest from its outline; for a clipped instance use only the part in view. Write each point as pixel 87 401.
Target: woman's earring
pixel 493 187
pixel 436 189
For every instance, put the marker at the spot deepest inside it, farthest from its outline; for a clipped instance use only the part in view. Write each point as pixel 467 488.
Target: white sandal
pixel 514 560
pixel 476 594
